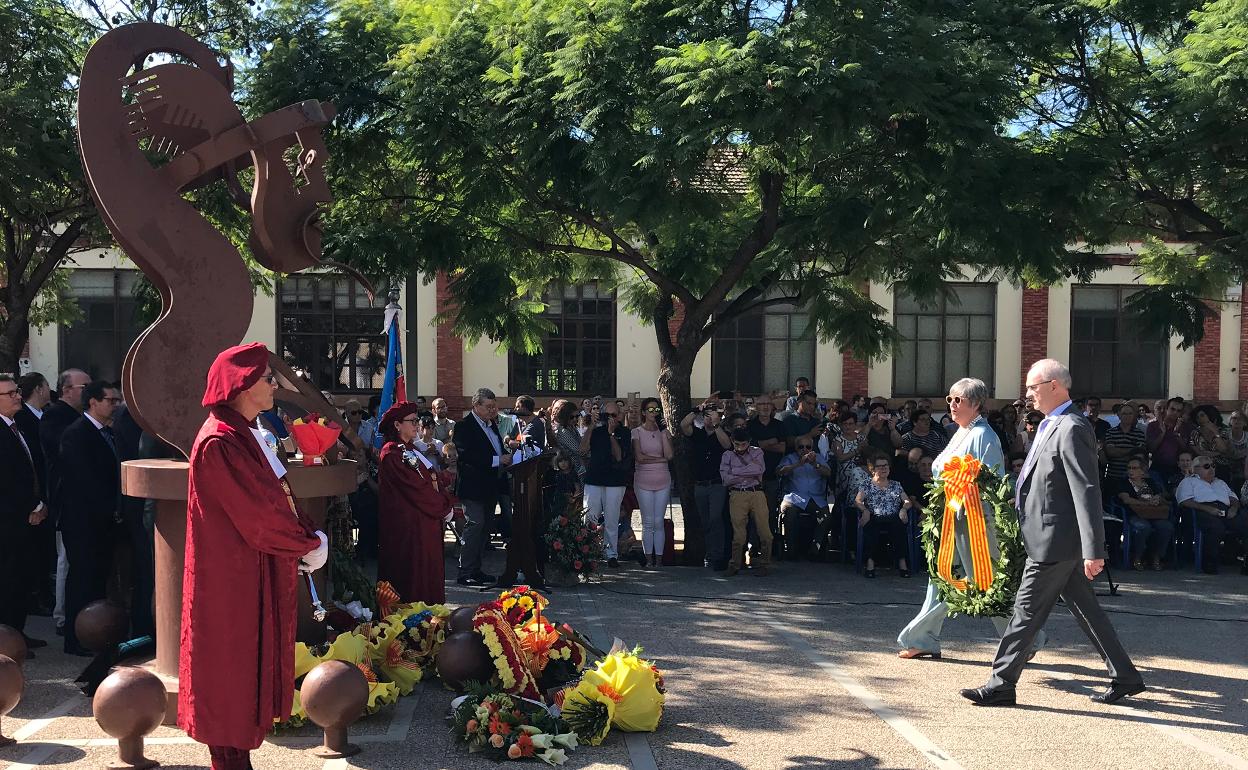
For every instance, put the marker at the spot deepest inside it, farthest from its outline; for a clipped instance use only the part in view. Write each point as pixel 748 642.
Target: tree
pixel 708 157
pixel 46 212
pixel 1154 98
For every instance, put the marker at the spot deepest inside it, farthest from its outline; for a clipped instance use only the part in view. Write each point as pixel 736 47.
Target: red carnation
pixel 563 521
pixel 557 545
pixel 584 549
pixel 577 564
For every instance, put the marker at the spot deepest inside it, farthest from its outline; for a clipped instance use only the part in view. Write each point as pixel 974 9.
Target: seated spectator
pixel 1015 461
pixel 1150 513
pixel 885 509
pixel 923 436
pixel 804 475
pixel 1184 470
pixel 1238 452
pixel 906 473
pixel 1122 442
pixel 1210 437
pixel 1217 511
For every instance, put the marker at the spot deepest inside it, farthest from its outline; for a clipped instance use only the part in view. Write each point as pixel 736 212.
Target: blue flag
pixel 393 388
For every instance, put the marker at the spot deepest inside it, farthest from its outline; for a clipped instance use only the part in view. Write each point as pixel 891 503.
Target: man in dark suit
pixel 88 499
pixel 58 416
pixel 41 555
pixel 1059 505
pixel 481 480
pixel 21 510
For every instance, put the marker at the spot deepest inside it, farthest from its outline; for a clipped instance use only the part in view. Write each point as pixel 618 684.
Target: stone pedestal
pixel 165 481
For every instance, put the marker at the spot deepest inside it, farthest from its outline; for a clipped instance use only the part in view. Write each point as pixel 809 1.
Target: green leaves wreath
pixel 998 600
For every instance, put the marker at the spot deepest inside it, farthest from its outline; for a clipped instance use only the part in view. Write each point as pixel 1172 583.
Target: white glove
pixel 314 560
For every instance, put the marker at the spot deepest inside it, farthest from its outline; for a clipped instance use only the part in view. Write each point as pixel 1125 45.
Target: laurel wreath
pixel 998 600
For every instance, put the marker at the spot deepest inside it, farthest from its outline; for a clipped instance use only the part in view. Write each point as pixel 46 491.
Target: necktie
pixel 29 457
pixel 1028 463
pixel 107 433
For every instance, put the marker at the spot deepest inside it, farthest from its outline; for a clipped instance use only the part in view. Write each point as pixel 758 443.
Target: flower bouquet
pixel 574 545
pixel 508 727
pixel 314 435
pixel 623 691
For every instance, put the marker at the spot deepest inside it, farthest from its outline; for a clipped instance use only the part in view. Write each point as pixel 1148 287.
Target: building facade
pixel 325 325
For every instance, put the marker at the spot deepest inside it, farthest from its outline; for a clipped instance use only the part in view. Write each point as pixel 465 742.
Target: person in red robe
pixel 411 508
pixel 246 543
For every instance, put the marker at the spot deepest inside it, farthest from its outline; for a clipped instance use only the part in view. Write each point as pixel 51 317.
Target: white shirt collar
pixel 7 421
pixel 98 425
pixel 38 413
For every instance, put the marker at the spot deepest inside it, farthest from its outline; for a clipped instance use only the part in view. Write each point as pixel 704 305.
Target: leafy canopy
pixel 728 154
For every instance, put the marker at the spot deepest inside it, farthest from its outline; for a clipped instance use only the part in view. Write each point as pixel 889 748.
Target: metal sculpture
pixel 147 136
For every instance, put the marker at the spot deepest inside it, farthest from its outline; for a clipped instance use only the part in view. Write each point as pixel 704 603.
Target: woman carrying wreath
pixel 975 437
pixel 411 509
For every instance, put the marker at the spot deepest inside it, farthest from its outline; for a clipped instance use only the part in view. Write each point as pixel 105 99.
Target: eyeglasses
pixel 270 379
pixel 653 410
pixel 1033 424
pixel 410 420
pixel 1206 466
pixel 953 400
pixel 1032 388
pixel 15 393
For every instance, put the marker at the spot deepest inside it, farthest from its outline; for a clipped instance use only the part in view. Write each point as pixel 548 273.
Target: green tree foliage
pixel 46 213
pixel 712 155
pixel 1152 97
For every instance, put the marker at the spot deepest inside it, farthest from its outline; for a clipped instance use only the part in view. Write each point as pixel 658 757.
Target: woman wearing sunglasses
pixel 652 481
pixel 975 437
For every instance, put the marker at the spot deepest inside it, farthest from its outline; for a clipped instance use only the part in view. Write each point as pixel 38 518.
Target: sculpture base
pixel 171 692
pixel 6 741
pixel 325 752
pixel 130 756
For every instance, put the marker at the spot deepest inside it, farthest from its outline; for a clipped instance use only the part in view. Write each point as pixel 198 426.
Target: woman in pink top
pixel 652 482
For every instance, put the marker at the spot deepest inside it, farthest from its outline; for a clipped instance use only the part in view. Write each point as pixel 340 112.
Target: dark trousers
pixel 889 529
pixel 801 527
pixel 364 509
pixel 1041 585
pixel 477 514
pixel 40 557
pixel 14 577
pixel 1214 529
pixel 89 553
pixel 142 567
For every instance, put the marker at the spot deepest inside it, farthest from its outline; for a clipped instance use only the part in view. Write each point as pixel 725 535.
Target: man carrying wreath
pixel 245 541
pixel 977 439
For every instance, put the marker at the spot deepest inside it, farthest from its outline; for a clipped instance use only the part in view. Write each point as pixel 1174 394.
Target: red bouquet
pixel 314 435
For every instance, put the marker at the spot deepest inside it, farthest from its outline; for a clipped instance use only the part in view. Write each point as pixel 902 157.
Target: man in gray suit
pixel 1059 505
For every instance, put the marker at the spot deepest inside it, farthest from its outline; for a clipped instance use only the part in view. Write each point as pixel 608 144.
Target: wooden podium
pixel 526 512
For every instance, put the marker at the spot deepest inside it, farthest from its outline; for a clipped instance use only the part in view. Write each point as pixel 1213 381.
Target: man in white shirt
pixel 1217 512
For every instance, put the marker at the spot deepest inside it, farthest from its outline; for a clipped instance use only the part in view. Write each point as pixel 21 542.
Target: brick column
pixel 853 377
pixel 1208 360
pixel 450 350
pixel 1035 341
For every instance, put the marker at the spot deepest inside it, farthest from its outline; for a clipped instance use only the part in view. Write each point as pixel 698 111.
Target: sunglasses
pixel 804 446
pixel 953 400
pixel 1206 466
pixel 653 410
pixel 270 379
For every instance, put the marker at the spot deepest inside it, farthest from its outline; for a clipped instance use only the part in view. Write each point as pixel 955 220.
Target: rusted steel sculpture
pixel 148 135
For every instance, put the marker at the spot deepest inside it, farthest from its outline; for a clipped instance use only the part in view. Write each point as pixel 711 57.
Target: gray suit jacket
pixel 1060 512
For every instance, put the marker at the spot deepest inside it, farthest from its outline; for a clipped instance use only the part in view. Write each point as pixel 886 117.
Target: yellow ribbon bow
pixel 959 476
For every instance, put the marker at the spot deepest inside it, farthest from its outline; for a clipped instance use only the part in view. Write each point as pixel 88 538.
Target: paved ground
pixel 797 671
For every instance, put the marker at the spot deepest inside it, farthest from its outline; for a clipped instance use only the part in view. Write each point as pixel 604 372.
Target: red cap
pixel 393 415
pixel 235 370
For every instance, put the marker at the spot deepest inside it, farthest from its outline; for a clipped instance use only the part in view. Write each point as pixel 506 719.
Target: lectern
pixel 526 513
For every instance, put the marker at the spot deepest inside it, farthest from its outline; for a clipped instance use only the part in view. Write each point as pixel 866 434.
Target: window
pixel 942 342
pixel 110 322
pixel 578 355
pixel 327 327
pixel 763 351
pixel 1110 355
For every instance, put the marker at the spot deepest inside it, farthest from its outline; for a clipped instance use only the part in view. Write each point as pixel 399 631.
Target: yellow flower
pixel 381 694
pixel 305 661
pixel 588 709
pixel 641 704
pixel 351 648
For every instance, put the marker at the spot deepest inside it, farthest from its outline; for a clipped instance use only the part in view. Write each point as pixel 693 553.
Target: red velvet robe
pixel 410 512
pixel 239 600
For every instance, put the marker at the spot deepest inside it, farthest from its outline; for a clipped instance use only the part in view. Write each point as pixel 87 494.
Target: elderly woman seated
pixel 1150 513
pixel 1217 511
pixel 885 509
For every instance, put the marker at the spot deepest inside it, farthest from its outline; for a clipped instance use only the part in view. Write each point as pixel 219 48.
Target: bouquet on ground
pixel 508 727
pixel 574 543
pixel 622 691
pixel 314 435
pixel 408 644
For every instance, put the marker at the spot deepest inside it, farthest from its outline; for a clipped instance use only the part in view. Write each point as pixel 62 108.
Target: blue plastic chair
pixel 1125 513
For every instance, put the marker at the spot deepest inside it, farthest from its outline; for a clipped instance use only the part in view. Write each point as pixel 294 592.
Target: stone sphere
pixel 11 683
pixel 334 694
pixel 464 658
pixel 12 643
pixel 101 625
pixel 461 619
pixel 130 702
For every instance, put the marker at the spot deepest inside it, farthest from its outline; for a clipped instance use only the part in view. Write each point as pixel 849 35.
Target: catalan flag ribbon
pixel 960 476
pixel 394 387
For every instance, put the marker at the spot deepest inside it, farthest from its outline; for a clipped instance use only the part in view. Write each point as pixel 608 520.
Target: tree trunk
pixel 675 373
pixel 16 331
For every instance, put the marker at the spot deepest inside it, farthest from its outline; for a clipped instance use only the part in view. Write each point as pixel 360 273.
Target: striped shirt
pixel 1116 467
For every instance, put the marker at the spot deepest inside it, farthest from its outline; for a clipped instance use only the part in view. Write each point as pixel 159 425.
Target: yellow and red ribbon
pixel 959 476
pixel 387 598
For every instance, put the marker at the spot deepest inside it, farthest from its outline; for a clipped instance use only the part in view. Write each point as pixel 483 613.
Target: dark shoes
pixel 33 643
pixel 613 562
pixel 479 580
pixel 1117 691
pixel 989 696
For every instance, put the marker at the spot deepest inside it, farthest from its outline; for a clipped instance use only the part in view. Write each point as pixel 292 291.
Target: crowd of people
pixel 789 477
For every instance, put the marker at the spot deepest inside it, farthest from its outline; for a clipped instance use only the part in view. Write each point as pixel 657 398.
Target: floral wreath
pixel 511 661
pixel 998 599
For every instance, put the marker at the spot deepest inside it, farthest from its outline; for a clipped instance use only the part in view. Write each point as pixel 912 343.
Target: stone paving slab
pixel 744 694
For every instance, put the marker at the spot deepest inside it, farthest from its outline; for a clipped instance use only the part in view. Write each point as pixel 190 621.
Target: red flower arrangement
pixel 314 435
pixel 575 544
